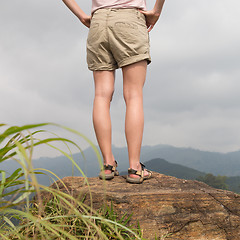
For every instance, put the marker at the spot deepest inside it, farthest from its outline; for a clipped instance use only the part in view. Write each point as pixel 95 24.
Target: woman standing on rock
pixel 118 38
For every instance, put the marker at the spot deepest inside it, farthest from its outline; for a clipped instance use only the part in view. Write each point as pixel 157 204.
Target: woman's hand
pixel 86 20
pixel 78 12
pixel 151 18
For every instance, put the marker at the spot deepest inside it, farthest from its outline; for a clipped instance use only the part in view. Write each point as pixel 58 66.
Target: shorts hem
pixel 102 68
pixel 135 59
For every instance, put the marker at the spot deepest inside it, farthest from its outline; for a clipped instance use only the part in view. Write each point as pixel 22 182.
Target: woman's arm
pixel 78 12
pixel 153 15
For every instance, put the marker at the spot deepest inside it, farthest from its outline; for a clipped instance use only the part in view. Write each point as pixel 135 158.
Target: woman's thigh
pixel 134 76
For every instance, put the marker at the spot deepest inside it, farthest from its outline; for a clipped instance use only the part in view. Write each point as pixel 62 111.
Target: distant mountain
pixel 209 162
pixel 172 169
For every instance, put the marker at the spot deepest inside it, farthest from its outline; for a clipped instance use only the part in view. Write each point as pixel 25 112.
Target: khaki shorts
pixel 117 37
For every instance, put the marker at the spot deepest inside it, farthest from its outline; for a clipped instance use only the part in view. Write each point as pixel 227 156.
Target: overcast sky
pixel 191 96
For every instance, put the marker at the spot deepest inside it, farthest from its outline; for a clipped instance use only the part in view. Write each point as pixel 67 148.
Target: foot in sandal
pixel 140 176
pixel 108 172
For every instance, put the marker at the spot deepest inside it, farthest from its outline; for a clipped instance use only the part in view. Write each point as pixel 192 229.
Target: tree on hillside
pixel 214 181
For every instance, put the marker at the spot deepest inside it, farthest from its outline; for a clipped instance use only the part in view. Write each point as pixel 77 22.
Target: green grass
pixel 61 216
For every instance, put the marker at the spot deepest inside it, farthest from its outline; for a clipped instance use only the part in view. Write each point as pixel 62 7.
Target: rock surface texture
pixel 168 207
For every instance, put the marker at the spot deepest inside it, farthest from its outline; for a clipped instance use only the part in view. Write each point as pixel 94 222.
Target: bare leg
pixel 134 76
pixel 104 88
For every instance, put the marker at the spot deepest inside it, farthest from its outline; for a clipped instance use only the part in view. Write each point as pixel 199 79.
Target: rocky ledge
pixel 168 207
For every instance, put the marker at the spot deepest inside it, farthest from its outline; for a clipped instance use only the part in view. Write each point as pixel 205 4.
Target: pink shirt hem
pixel 96 4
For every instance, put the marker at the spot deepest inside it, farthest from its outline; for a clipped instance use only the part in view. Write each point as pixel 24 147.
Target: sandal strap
pixel 110 167
pixel 107 167
pixel 139 173
pixel 132 171
pixel 143 166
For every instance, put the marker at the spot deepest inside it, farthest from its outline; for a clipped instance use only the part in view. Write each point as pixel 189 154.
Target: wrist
pixel 81 17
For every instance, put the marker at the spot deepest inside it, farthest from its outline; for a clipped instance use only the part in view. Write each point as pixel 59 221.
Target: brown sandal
pixel 139 173
pixel 114 172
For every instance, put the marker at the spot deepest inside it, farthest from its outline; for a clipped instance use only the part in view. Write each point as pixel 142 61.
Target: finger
pixel 150 28
pixel 145 13
pixel 141 11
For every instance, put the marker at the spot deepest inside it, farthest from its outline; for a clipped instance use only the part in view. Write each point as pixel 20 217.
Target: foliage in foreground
pixel 61 216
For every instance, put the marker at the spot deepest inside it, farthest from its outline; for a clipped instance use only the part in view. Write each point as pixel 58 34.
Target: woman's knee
pixel 132 94
pixel 104 84
pixel 105 93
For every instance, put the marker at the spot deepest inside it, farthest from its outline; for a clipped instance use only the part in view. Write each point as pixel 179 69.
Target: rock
pixel 168 207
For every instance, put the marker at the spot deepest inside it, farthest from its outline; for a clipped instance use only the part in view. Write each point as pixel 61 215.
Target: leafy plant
pixel 61 216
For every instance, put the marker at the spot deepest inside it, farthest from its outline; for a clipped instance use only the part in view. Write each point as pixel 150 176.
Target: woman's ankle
pixel 136 166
